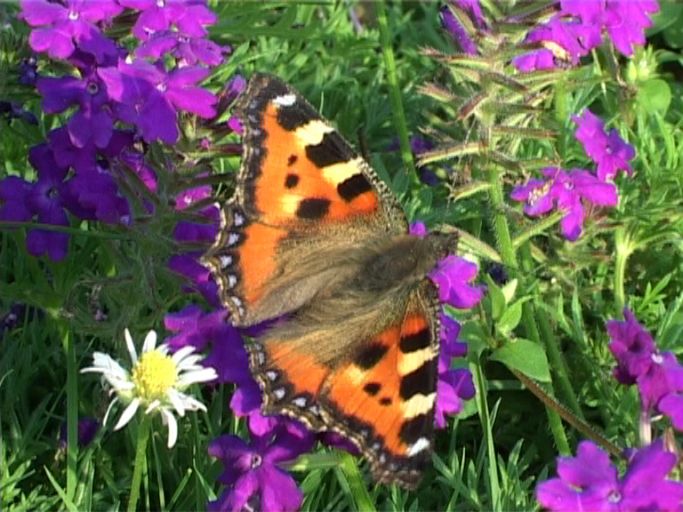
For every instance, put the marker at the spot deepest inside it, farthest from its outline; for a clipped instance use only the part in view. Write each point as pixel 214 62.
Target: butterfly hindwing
pixel 299 182
pixel 381 396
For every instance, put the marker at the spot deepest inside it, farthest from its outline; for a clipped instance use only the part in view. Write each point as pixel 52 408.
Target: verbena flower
pixel 658 375
pixel 578 26
pixel 156 381
pixel 567 191
pixel 60 27
pixel 253 472
pixel 624 21
pixel 187 17
pixel 457 31
pixel 590 481
pixel 452 276
pixel 608 150
pixel 87 429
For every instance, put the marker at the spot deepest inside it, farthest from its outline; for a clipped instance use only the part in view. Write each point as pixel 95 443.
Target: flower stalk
pixel 140 464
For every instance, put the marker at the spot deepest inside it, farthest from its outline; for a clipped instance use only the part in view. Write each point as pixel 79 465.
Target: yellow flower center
pixel 153 375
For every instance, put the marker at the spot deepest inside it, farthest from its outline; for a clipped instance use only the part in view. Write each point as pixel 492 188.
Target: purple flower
pixel 567 191
pixel 92 123
pixel 418 229
pixel 452 276
pixel 624 20
pixel 14 193
pixel 662 378
pixel 189 17
pixel 253 472
pixel 450 22
pixel 48 200
pixel 590 481
pixel 148 97
pixel 28 71
pixel 536 60
pixel 67 24
pixel 608 150
pixel 453 386
pixel 191 326
pixel 188 50
pixel 87 429
pixel 188 266
pixel 632 346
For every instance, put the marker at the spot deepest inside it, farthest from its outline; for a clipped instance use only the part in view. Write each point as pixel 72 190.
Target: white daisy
pixel 156 382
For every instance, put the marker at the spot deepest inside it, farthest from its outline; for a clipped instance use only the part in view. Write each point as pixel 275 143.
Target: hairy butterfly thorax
pixel 314 236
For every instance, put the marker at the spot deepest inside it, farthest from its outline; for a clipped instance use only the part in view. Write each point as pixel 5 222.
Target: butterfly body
pixel 314 238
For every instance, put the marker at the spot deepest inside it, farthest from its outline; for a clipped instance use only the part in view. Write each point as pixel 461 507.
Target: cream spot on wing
pixel 289 203
pixel 312 133
pixel 418 404
pixel 355 374
pixel 410 362
pixel 339 173
pixel 420 445
pixel 286 100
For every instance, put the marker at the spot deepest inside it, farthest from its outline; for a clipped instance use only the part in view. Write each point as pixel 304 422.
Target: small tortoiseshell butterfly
pixel 312 235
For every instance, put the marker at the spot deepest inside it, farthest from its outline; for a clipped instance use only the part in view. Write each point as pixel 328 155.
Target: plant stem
pixel 140 462
pixel 71 411
pixel 623 250
pixel 395 94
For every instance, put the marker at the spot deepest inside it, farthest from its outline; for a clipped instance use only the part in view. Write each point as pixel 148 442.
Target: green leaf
pixel 524 356
pixel 654 96
pixel 511 317
pixel 497 297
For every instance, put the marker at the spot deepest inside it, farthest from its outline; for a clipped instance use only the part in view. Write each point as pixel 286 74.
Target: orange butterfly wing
pixel 381 396
pixel 298 177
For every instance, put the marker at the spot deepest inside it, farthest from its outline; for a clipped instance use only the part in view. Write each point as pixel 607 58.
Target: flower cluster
pixel 118 93
pixel 254 471
pixel 590 481
pixel 658 375
pixel 578 27
pixel 571 191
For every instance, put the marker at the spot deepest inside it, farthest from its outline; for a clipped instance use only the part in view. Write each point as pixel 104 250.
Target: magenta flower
pixel 658 375
pixel 632 346
pixel 590 481
pixel 608 150
pixel 188 50
pixel 87 429
pixel 188 17
pixel 253 472
pixel 457 31
pixel 567 191
pixel 148 97
pixel 452 276
pixel 624 20
pixel 65 25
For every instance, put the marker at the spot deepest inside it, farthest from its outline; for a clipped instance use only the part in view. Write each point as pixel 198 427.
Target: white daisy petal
pixel 152 406
pixel 172 427
pixel 106 414
pixel 131 347
pixel 190 362
pixel 192 404
pixel 181 354
pixel 176 400
pixel 150 342
pixel 128 414
pixel 196 376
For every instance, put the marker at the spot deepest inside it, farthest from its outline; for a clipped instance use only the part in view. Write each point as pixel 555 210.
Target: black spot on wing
pixel 293 116
pixel 313 208
pixel 372 388
pixel 291 180
pixel 292 160
pixel 352 187
pixel 421 381
pixel 385 401
pixel 416 341
pixel 370 355
pixel 333 149
pixel 415 428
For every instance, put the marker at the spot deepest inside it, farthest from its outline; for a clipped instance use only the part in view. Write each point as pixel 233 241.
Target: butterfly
pixel 313 237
